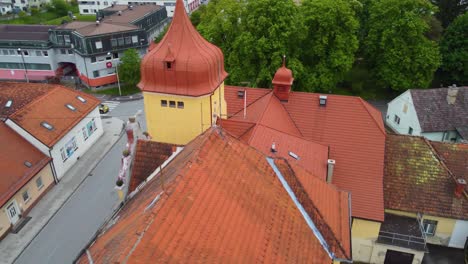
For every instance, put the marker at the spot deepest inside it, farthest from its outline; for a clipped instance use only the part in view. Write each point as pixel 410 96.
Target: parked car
pixel 103 108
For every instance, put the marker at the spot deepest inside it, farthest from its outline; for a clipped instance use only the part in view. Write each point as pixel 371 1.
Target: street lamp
pixel 116 72
pixel 24 65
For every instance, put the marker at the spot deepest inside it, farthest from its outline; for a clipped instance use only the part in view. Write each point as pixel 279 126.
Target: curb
pixel 71 194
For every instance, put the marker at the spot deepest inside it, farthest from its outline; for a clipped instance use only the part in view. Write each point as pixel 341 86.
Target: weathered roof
pixel 351 127
pixel 149 155
pixel 25 32
pixel 20 95
pixel 103 28
pixel 222 201
pixel 129 15
pixel 51 108
pixel 454 156
pixel 183 62
pixel 15 151
pixel 435 114
pixel 417 180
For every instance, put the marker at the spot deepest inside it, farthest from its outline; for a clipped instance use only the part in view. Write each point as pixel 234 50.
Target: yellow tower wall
pixel 181 125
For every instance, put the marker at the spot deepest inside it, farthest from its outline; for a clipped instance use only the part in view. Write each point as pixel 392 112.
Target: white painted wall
pixel 459 234
pixel 61 167
pixel 403 107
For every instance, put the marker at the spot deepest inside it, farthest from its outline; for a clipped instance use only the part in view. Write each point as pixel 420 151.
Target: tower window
pixel 168 65
pixel 164 103
pixel 172 104
pixel 180 105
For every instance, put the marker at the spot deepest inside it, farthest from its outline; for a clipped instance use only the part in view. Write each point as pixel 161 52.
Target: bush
pixel 126 153
pixel 119 182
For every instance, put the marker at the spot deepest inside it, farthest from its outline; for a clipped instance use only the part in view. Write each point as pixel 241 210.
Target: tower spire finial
pixel 284 60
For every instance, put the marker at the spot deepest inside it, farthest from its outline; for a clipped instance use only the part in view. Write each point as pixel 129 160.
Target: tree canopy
pixel 454 48
pixel 330 43
pixel 397 49
pixel 129 68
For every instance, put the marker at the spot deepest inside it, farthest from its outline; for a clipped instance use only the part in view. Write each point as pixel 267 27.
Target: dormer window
pixel 47 125
pixel 81 99
pixel 168 65
pixel 9 103
pixel 71 107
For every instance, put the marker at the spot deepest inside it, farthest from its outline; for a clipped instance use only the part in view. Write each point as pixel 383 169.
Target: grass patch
pixel 59 20
pixel 126 90
pixel 48 18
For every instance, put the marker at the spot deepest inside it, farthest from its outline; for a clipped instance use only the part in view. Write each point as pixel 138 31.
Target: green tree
pixel 331 41
pixel 268 30
pixel 60 7
pixel 449 10
pixel 397 50
pixel 129 68
pixel 454 49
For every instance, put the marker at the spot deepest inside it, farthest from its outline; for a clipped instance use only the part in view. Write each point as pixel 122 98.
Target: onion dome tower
pixel 282 82
pixel 183 62
pixel 182 80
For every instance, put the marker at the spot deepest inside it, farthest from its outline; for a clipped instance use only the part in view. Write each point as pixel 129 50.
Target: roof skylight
pixel 9 103
pixel 71 107
pixel 28 164
pixel 294 155
pixel 81 99
pixel 47 125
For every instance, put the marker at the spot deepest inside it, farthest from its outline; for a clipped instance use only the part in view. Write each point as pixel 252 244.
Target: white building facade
pixel 71 146
pixel 436 114
pixel 93 6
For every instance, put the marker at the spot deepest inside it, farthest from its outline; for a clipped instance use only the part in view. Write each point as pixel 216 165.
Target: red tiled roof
pixel 149 155
pixel 416 179
pixel 455 157
pixel 15 151
pixel 20 94
pixel 221 202
pixel 324 203
pixel 352 129
pixel 236 104
pixel 51 108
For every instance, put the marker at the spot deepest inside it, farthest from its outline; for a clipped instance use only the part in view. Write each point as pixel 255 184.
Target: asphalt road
pixel 72 227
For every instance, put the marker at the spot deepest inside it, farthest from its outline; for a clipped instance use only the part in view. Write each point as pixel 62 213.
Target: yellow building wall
pixel 444 227
pixel 34 193
pixel 364 233
pixel 380 250
pixel 180 126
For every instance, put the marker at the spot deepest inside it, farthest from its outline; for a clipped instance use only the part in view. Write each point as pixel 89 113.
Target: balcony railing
pixel 401 240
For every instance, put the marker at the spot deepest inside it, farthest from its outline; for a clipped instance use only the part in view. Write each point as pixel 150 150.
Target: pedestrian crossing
pixel 111 104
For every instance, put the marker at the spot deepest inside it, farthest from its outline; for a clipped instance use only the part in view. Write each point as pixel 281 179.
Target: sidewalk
pixel 14 244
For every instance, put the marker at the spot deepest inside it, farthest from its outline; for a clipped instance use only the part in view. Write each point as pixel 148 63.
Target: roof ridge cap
pixel 289 134
pixel 271 91
pixel 363 102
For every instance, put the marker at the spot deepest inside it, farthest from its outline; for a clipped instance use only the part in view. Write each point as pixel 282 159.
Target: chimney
pixel 331 165
pixel 461 184
pixel 282 82
pixel 452 92
pixel 273 148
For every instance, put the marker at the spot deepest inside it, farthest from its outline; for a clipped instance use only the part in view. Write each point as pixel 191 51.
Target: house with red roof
pixel 426 199
pixel 62 123
pixel 220 200
pixel 26 176
pixel 338 139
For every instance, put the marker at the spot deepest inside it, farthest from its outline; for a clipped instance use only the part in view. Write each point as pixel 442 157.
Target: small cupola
pixel 282 82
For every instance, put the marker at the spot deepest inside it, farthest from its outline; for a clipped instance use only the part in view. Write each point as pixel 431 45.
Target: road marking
pixel 111 105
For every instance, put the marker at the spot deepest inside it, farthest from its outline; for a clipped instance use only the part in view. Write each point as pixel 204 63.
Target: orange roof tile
pixel 149 155
pixel 51 108
pixel 15 151
pixel 221 202
pixel 236 104
pixel 20 95
pixel 352 129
